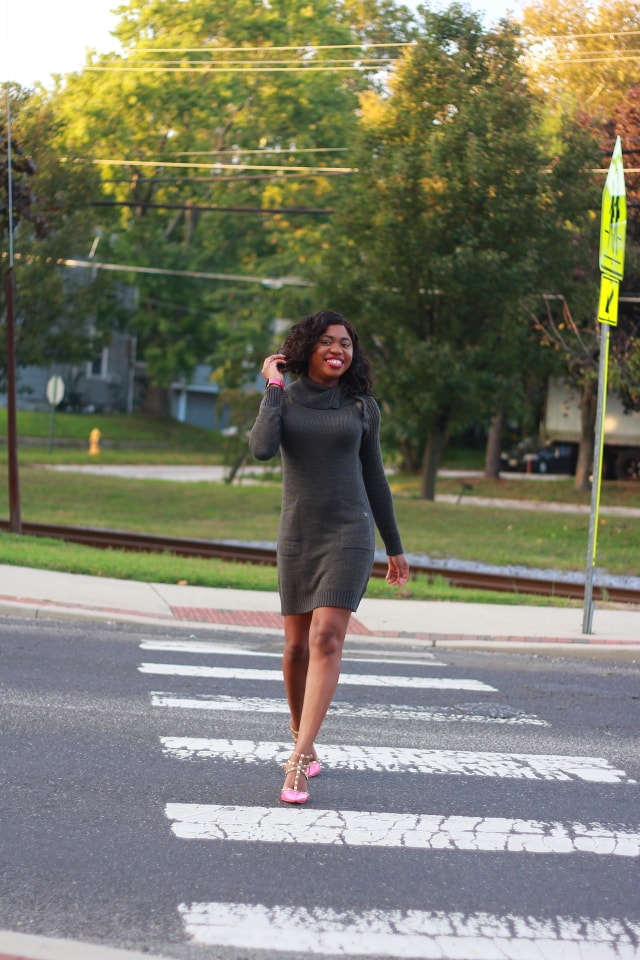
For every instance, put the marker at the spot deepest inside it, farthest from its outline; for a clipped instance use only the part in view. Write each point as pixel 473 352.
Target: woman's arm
pixel 264 439
pixel 376 483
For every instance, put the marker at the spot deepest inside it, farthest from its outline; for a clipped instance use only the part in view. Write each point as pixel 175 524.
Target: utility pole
pixel 15 519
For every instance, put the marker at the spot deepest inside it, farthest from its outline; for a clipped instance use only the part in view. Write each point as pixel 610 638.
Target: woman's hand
pixel 397 571
pixel 270 368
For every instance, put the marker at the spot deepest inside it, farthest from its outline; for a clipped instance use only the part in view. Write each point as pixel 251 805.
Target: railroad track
pixel 251 553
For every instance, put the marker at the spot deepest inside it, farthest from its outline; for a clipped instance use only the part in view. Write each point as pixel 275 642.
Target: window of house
pixel 99 366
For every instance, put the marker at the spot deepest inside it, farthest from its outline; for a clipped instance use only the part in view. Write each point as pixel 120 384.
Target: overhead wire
pixel 216 209
pixel 300 47
pixel 215 64
pixel 241 178
pixel 260 150
pixel 182 164
pixel 124 68
pixel 603 58
pixel 584 36
pixel 270 282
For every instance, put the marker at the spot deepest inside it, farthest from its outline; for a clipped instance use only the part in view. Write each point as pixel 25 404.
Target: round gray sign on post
pixel 55 390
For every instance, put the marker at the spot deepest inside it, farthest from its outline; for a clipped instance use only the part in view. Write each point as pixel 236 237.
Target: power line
pixel 278 174
pixel 603 58
pixel 251 63
pixel 582 36
pixel 260 150
pixel 604 52
pixel 206 69
pixel 300 47
pixel 273 283
pixel 213 166
pixel 198 207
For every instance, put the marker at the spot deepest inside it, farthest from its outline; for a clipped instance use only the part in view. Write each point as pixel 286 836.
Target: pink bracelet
pixel 276 383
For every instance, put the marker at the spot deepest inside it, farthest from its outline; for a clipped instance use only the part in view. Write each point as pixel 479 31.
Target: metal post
pixel 596 482
pixel 15 521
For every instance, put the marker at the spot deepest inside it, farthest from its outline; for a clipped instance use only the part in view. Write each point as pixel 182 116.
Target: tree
pixel 439 239
pixel 625 123
pixel 581 55
pixel 567 321
pixel 59 318
pixel 217 124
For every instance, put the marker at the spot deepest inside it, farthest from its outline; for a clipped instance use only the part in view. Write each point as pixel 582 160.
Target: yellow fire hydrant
pixel 94 442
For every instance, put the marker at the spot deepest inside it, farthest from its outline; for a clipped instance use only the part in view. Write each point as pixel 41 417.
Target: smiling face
pixel 332 355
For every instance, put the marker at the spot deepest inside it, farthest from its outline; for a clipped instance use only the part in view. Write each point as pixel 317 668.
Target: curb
pixel 53 610
pixel 23 946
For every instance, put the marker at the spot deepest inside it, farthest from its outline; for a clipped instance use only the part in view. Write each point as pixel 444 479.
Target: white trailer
pixel 621 452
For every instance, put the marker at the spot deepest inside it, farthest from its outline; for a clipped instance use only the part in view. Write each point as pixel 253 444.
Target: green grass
pixel 47 554
pixel 533 538
pixel 251 511
pixel 133 438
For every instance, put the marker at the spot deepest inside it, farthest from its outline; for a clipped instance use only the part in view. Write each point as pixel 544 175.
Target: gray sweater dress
pixel 333 481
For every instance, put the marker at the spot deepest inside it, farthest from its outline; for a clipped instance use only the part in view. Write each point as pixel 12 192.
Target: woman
pixel 326 425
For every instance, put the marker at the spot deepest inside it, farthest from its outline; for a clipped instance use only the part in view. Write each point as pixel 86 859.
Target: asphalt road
pixel 476 804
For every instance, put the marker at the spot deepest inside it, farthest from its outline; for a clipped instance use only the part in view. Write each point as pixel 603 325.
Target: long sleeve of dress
pixel 266 433
pixel 376 483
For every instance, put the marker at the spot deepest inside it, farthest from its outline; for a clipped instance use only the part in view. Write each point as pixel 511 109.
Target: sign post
pixel 55 395
pixel 613 228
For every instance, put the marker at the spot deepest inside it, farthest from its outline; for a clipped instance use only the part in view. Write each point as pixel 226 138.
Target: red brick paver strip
pixel 246 618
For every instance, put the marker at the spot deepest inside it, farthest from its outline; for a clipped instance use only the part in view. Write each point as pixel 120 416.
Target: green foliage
pixel 442 233
pixel 580 54
pixel 200 130
pixel 250 511
pixel 61 316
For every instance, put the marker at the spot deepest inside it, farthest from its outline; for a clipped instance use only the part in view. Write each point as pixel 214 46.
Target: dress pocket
pixel 289 535
pixel 358 533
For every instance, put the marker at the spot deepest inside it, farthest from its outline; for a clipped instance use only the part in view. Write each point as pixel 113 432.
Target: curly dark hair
pixel 302 338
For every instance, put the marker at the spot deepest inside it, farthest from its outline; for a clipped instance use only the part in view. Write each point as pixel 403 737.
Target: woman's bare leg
pixel 326 634
pixel 295 663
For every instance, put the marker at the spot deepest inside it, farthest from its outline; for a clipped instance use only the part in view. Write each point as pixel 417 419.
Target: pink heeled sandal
pixel 315 766
pixel 299 767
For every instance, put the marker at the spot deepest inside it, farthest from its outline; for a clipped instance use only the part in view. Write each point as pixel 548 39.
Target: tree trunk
pixel 588 411
pixel 436 442
pixel 157 401
pixel 494 443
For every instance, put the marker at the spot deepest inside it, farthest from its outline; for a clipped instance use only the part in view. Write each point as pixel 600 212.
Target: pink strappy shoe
pixel 315 766
pixel 299 767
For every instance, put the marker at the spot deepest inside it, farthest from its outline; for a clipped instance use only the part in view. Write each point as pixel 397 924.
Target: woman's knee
pixel 296 649
pixel 326 638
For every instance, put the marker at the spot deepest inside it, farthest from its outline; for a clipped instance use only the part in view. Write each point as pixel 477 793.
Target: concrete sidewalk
pixel 23 946
pixel 47 594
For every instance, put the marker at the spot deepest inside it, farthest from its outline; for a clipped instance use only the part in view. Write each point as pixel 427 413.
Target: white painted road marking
pixel 426 935
pixel 371 711
pixel 354 828
pixel 223 649
pixel 466 763
pixel 352 679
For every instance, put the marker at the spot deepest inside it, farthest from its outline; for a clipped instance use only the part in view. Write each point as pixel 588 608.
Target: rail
pixel 254 553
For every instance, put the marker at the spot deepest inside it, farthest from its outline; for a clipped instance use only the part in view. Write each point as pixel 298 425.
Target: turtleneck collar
pixel 311 394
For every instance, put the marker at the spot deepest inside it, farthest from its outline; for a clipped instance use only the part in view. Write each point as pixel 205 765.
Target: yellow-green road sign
pixel 613 224
pixel 608 303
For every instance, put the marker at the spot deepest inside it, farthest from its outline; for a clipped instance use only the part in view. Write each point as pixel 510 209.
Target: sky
pixel 41 37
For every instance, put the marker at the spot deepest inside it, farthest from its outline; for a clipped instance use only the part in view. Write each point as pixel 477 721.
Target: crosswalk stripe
pixel 355 828
pixel 353 679
pixel 466 763
pixel 428 935
pixel 224 649
pixel 371 711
